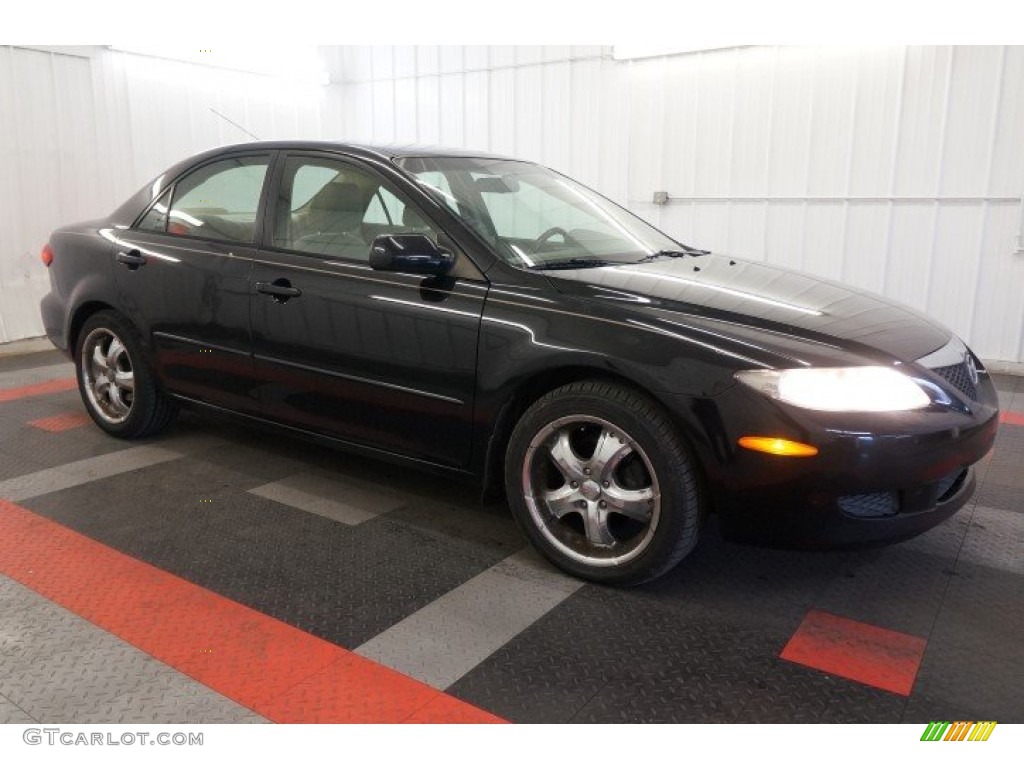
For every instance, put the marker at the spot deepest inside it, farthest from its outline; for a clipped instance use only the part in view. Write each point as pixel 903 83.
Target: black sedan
pixel 494 320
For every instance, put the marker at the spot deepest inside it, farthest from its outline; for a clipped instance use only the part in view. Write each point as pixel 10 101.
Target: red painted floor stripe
pixel 62 422
pixel 283 673
pixel 862 652
pixel 1012 417
pixel 42 388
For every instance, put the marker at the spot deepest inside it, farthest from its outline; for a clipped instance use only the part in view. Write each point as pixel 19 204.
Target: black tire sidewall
pixel 681 514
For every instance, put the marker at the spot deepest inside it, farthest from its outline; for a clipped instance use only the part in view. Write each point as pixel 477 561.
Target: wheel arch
pixel 82 313
pixel 534 387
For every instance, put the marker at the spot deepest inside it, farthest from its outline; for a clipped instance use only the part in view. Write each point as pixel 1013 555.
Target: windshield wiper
pixel 686 250
pixel 574 264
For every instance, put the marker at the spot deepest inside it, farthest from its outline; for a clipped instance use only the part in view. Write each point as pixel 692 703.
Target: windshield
pixel 536 218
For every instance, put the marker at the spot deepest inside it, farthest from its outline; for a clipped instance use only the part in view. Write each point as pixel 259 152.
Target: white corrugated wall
pixel 79 134
pixel 897 169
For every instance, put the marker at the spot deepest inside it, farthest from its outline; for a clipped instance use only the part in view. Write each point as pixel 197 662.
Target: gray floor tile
pixel 84 471
pixel 68 686
pixel 982 613
pixel 997 496
pixel 10 362
pixel 1005 398
pixel 963 682
pixel 167 696
pixel 1006 382
pixel 895 587
pixel 444 640
pixel 995 539
pixel 13 465
pixel 34 629
pixel 250 718
pixel 946 538
pixel 337 498
pixel 258 461
pixel 57 667
pixel 22 377
pixel 10 714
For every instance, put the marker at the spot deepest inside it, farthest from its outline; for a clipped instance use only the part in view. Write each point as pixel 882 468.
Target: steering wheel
pixel 547 234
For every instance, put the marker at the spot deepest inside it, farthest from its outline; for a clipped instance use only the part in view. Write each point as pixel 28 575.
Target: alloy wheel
pixel 108 375
pixel 591 490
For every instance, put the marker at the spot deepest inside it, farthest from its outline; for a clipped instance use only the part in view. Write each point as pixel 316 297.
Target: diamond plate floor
pixel 58 668
pixel 409 568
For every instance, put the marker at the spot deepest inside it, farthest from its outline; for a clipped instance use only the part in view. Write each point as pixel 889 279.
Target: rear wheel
pixel 117 385
pixel 602 483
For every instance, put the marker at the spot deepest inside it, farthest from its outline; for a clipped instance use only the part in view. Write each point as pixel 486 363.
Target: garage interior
pixel 220 574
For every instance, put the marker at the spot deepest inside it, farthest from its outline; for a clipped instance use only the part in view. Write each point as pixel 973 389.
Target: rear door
pixel 183 273
pixel 383 359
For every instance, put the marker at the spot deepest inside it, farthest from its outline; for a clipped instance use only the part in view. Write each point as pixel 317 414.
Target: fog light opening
pixel 777 446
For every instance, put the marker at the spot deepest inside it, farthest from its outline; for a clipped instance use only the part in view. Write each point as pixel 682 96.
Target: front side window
pixel 333 208
pixel 217 201
pixel 534 217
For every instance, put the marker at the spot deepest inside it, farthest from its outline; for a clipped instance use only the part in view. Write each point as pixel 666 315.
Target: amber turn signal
pixel 778 446
pixel 47 255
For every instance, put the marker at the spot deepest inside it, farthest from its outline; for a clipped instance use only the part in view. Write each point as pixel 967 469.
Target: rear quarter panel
pixel 81 278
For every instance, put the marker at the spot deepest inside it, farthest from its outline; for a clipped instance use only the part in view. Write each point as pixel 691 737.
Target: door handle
pixel 132 259
pixel 281 290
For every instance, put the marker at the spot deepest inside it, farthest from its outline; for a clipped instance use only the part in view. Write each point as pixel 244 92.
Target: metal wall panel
pixel 78 134
pixel 896 169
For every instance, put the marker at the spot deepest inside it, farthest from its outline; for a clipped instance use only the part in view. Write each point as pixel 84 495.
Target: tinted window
pixel 532 210
pixel 156 219
pixel 219 200
pixel 534 216
pixel 384 208
pixel 332 208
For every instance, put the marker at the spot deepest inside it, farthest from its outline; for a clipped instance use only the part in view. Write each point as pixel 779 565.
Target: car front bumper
pixel 876 478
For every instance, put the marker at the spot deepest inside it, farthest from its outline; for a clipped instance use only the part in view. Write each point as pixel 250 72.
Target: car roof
pixel 380 151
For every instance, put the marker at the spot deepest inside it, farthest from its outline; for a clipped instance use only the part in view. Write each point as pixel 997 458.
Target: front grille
pixel 883 504
pixel 958 376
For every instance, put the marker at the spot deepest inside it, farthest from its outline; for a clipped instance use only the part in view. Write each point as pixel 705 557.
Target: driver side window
pixel 332 208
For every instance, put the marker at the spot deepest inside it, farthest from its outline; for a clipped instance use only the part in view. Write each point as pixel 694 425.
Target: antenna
pixel 228 119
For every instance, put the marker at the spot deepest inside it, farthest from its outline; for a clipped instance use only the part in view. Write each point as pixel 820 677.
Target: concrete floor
pixel 218 573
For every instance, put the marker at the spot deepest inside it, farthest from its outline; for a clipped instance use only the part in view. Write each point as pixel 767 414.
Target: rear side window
pixel 156 219
pixel 217 201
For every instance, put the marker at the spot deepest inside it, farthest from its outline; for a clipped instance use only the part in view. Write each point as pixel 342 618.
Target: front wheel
pixel 602 483
pixel 117 386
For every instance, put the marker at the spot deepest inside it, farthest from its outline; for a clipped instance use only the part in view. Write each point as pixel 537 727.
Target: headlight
pixel 867 388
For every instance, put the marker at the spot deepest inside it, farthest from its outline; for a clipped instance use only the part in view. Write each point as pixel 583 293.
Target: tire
pixel 116 383
pixel 603 485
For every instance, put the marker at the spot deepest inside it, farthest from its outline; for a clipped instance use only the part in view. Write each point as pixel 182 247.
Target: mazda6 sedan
pixel 497 321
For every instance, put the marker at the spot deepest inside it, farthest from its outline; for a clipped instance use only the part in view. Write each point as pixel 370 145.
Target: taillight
pixel 47 255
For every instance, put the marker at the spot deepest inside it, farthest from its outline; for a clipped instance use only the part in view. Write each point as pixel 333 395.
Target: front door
pixel 382 359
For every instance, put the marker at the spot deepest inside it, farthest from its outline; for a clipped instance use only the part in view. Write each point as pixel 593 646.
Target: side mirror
pixel 413 253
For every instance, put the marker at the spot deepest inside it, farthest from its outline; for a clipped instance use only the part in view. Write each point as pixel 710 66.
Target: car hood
pixel 753 299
